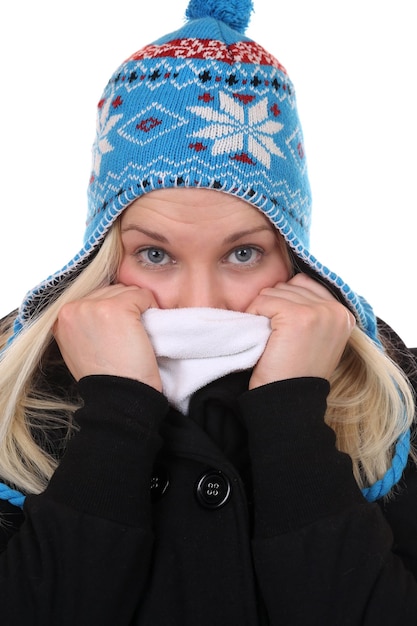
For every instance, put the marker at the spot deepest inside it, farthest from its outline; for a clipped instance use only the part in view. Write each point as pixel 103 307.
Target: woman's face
pixel 200 248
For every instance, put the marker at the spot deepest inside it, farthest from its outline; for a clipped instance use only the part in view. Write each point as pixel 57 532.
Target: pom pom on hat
pixel 234 13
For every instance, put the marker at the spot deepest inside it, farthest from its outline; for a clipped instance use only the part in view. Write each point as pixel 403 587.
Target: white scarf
pixel 195 346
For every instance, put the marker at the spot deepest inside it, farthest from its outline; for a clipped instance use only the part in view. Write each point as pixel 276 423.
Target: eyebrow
pixel 245 233
pixel 144 231
pixel 230 239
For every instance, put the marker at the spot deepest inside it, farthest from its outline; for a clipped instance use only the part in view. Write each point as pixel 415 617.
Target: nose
pixel 201 289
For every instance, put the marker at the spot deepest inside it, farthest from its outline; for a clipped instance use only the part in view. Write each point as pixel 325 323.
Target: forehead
pixel 194 206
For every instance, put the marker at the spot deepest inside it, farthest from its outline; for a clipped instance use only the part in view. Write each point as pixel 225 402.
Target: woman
pixel 201 424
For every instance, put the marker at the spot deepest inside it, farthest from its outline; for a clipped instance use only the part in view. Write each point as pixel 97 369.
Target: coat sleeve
pixel 322 554
pixel 82 553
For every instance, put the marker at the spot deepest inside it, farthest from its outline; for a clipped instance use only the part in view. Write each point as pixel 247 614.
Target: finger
pixel 293 307
pixel 114 290
pixel 282 293
pixel 310 285
pixel 122 295
pixel 103 334
pixel 318 289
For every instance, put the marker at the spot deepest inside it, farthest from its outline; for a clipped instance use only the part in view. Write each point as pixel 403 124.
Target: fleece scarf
pixel 195 346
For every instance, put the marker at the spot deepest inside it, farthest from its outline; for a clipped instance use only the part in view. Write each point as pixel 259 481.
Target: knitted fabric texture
pixel 204 106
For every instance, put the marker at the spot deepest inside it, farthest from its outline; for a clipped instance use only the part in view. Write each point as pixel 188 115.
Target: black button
pixel 213 489
pixel 159 482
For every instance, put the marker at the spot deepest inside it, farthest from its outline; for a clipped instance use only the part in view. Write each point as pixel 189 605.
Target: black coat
pixel 242 513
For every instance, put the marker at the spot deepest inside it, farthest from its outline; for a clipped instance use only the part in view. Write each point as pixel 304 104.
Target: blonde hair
pixel 24 408
pixel 370 404
pixel 369 407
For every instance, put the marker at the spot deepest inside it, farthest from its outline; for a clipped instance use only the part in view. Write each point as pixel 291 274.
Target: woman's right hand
pixel 103 334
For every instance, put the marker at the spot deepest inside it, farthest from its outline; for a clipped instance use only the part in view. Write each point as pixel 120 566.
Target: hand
pixel 103 334
pixel 310 330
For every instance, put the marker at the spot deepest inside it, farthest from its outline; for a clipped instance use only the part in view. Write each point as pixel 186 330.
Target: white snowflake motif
pixel 229 127
pixel 104 125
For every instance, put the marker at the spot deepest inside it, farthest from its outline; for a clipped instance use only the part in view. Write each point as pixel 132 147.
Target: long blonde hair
pixel 23 407
pixel 370 404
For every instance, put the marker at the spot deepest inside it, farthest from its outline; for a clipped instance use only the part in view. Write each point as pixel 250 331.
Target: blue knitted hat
pixel 201 107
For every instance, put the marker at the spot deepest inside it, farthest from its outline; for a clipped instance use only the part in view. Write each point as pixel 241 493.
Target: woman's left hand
pixel 310 330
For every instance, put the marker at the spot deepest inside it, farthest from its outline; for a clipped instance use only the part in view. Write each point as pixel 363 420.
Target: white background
pixel 354 69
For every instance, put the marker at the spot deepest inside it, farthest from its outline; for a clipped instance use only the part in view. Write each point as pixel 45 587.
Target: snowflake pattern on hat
pixel 105 122
pixel 232 128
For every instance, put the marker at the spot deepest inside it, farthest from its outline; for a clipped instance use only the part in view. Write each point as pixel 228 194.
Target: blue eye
pixel 153 256
pixel 244 255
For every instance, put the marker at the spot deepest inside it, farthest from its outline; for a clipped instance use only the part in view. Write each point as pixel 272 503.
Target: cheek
pixel 130 274
pixel 127 275
pixel 277 272
pixel 243 292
